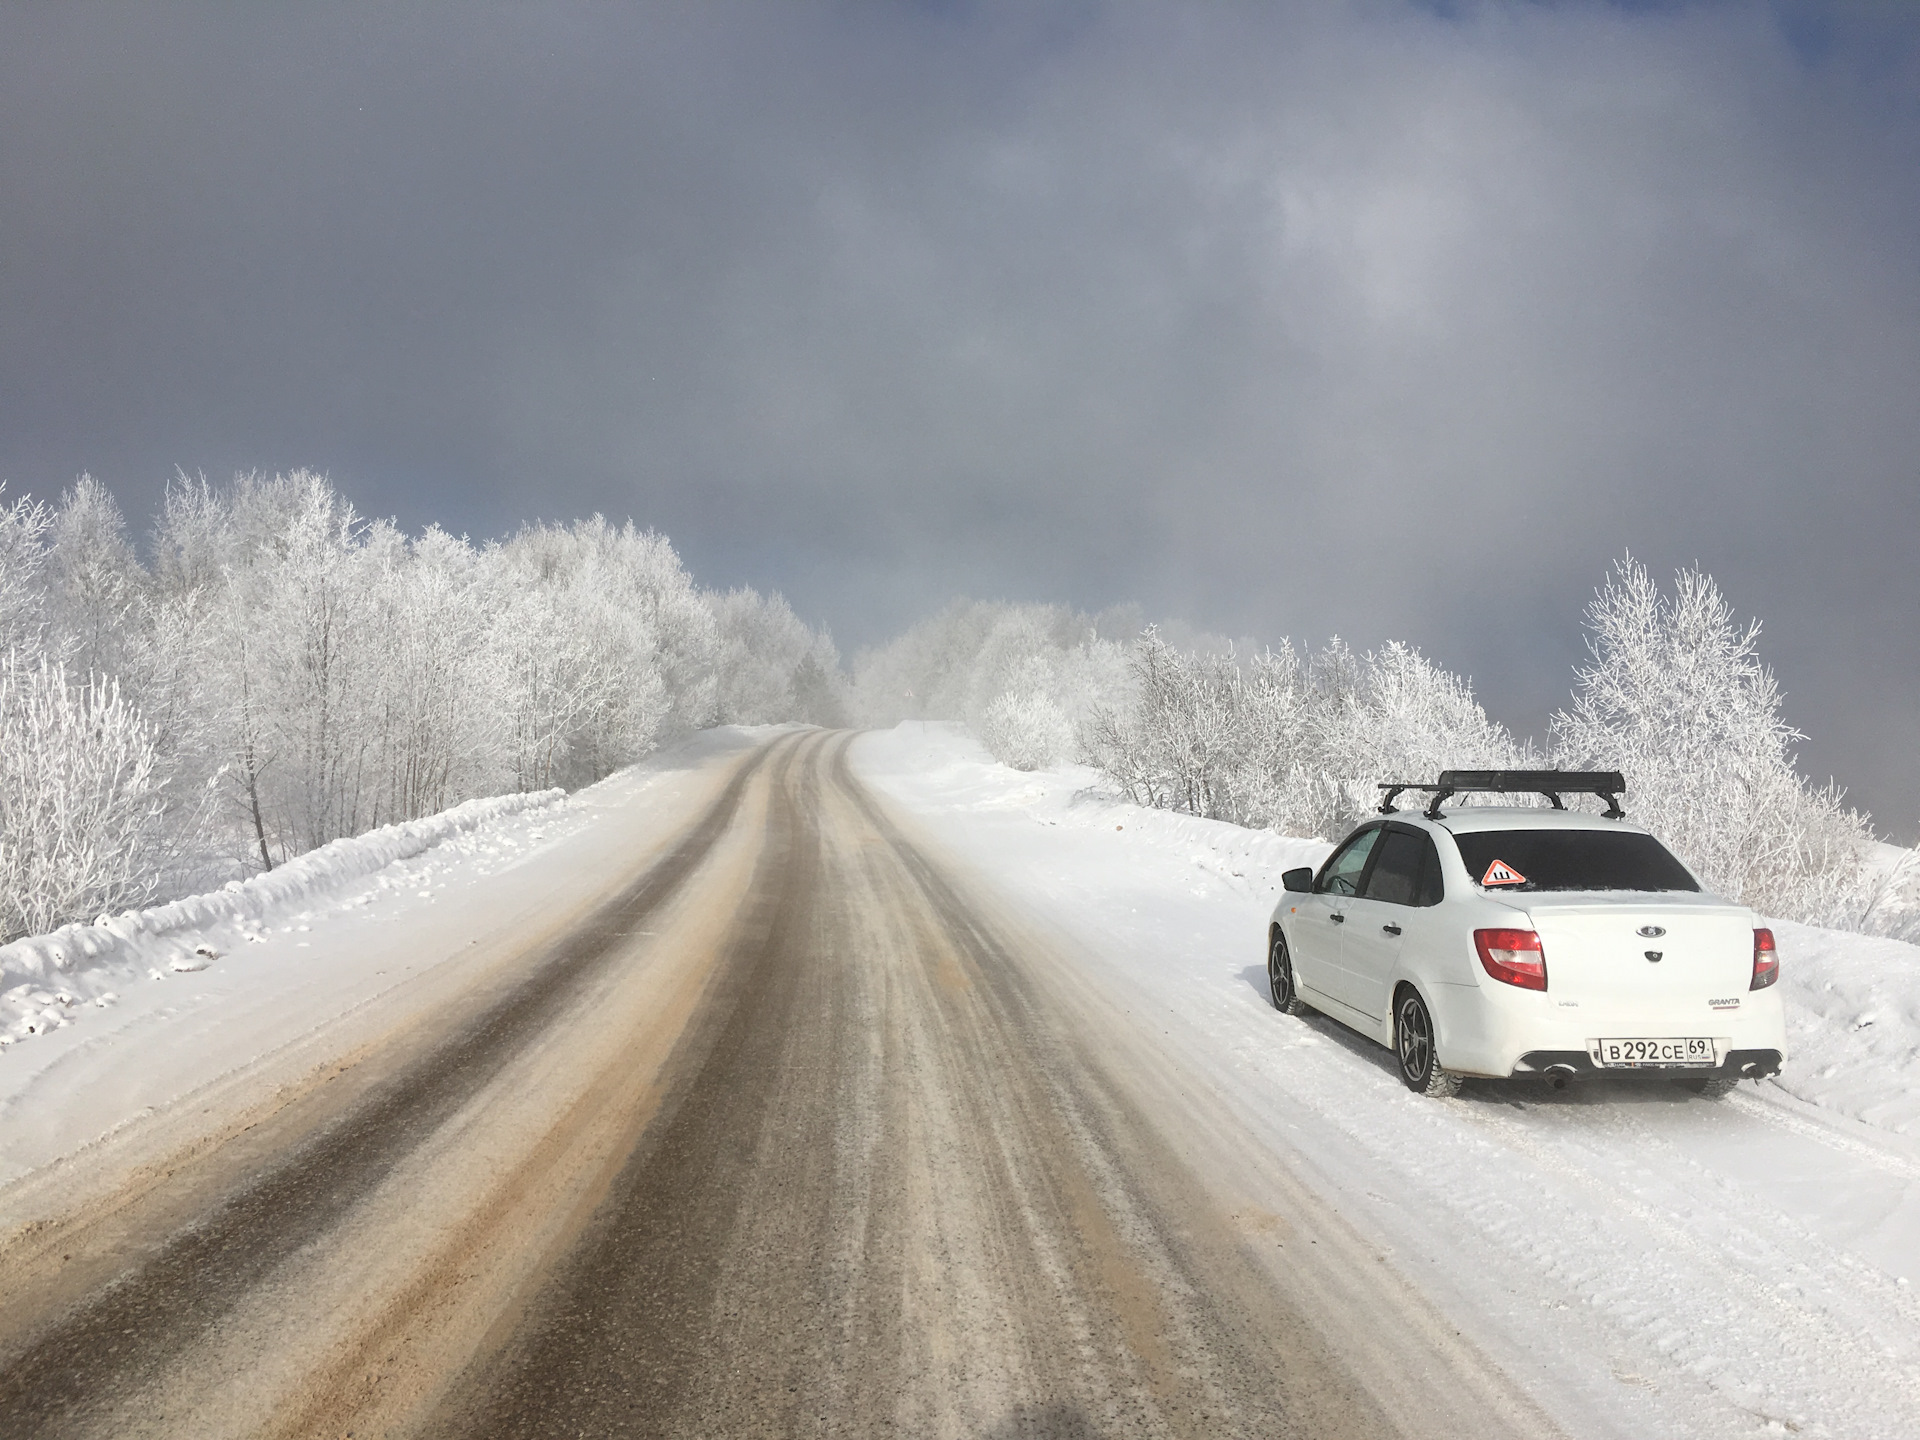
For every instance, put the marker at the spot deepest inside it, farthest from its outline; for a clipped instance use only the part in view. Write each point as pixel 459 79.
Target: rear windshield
pixel 1528 860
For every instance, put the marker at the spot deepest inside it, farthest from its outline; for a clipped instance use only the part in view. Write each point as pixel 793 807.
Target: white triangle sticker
pixel 1501 873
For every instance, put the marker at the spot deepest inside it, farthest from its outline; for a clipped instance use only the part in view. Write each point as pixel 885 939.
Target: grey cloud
pixel 1363 319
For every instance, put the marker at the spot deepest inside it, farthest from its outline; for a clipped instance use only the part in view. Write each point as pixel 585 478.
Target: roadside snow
pixel 47 980
pixel 1853 1024
pixel 246 989
pixel 1650 1263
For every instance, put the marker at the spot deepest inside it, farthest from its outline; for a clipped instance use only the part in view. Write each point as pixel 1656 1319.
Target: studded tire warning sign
pixel 1501 873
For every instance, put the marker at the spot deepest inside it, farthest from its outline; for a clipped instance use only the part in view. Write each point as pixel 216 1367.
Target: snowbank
pixel 1852 1001
pixel 1853 1024
pixel 44 978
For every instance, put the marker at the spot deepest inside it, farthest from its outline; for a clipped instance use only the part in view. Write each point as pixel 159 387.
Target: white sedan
pixel 1496 941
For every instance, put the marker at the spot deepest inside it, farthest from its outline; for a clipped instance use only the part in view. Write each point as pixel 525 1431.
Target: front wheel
pixel 1413 1043
pixel 1280 981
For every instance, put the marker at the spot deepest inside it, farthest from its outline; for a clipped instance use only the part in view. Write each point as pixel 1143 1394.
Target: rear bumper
pixel 1738 1065
pixel 1494 1030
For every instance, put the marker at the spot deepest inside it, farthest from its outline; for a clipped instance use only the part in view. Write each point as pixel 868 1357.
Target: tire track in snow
pixel 893 1198
pixel 1771 1356
pixel 1777 1113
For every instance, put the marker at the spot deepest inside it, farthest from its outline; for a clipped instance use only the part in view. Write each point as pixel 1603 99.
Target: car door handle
pixel 1338 919
pixel 1391 929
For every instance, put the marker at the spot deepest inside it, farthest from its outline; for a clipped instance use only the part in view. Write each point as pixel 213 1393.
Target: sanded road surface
pixel 796 1135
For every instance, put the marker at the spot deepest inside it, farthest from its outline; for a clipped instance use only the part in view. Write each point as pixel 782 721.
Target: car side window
pixel 1341 875
pixel 1395 877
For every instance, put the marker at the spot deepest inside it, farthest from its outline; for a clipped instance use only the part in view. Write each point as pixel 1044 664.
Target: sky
pixel 1386 320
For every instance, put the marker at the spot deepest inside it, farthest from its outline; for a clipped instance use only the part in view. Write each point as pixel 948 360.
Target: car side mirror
pixel 1299 881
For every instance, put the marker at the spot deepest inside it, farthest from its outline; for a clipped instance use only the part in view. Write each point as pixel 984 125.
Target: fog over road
pixel 795 1134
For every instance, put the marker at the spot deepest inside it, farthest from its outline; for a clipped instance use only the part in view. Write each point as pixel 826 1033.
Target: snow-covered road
pixel 1010 1134
pixel 729 1113
pixel 1645 1262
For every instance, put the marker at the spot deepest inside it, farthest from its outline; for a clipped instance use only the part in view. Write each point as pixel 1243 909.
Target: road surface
pixel 790 1135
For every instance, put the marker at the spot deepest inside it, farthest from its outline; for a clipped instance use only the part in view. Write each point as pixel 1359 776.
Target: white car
pixel 1504 941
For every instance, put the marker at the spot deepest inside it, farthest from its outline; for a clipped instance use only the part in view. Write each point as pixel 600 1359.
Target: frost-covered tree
pixel 770 665
pixel 93 580
pixel 23 556
pixel 80 798
pixel 293 672
pixel 1174 746
pixel 1890 898
pixel 436 729
pixel 1391 714
pixel 1024 726
pixel 300 639
pixel 607 649
pixel 1677 699
pixel 1273 741
pixel 1024 663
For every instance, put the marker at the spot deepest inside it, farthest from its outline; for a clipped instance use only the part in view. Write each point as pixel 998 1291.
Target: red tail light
pixel 1766 960
pixel 1512 956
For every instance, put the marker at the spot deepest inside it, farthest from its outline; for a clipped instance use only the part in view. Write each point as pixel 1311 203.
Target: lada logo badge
pixel 1653 932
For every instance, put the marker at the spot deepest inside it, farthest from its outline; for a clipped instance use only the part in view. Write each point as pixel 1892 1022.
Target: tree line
pixel 273 670
pixel 1673 694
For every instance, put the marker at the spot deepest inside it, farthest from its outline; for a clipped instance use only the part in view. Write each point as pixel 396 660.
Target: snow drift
pixel 42 977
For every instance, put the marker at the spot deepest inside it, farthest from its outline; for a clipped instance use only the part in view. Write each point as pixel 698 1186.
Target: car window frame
pixel 1360 884
pixel 1429 859
pixel 1432 873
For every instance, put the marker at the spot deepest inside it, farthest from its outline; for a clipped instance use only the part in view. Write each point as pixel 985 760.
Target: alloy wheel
pixel 1280 973
pixel 1415 1041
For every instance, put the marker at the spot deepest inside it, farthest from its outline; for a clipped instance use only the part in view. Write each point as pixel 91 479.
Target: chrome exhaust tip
pixel 1560 1076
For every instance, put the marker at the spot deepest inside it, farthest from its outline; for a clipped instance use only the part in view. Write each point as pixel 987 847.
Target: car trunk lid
pixel 1621 953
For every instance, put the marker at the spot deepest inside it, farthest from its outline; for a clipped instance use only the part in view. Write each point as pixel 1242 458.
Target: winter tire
pixel 1280 982
pixel 1712 1087
pixel 1413 1045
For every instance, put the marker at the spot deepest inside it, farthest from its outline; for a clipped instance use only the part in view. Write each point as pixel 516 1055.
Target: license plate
pixel 1645 1053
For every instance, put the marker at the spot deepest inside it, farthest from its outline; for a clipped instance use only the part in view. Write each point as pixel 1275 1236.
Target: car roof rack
pixel 1609 785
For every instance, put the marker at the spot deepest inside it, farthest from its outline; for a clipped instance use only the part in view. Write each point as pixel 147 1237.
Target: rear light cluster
pixel 1766 960
pixel 1514 956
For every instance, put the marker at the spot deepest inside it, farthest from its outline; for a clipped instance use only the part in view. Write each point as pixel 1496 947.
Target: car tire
pixel 1413 1047
pixel 1711 1087
pixel 1282 988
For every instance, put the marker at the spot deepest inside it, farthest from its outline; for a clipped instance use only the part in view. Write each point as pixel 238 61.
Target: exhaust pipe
pixel 1560 1076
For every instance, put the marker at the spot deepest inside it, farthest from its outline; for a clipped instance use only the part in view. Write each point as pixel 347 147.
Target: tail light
pixel 1766 960
pixel 1513 956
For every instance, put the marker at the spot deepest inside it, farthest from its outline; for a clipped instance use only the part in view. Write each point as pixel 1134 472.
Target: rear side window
pixel 1399 861
pixel 1531 860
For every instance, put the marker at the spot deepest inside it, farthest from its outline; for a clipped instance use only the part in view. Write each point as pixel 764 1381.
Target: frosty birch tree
pixel 93 580
pixel 1676 698
pixel 437 733
pixel 23 533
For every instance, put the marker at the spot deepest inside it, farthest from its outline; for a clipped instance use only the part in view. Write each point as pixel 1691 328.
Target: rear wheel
pixel 1713 1087
pixel 1413 1043
pixel 1280 981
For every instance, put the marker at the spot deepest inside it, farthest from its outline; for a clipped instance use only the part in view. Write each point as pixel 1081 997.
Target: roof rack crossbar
pixel 1609 785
